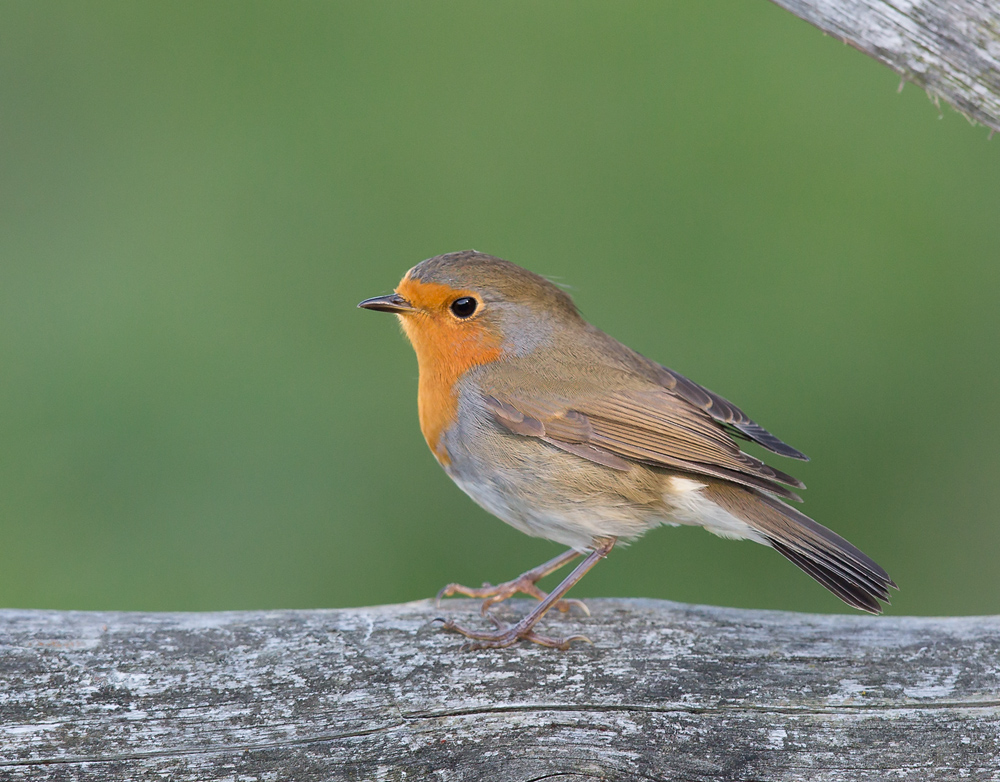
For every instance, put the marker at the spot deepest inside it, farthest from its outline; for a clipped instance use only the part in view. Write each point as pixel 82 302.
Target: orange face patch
pixel 446 347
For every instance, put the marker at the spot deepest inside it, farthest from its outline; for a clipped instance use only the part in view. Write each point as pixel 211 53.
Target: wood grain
pixel 667 692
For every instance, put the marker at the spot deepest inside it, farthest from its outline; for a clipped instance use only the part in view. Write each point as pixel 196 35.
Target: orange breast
pixel 446 349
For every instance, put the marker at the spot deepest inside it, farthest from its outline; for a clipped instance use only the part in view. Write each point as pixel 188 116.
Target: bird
pixel 567 434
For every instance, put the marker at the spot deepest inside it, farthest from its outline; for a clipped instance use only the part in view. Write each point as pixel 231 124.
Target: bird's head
pixel 467 308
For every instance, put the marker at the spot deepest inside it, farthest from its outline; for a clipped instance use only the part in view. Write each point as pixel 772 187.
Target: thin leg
pixel 507 636
pixel 525 583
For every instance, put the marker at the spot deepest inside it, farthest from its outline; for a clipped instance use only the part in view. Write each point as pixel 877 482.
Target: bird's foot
pixel 508 636
pixel 525 584
pixel 524 630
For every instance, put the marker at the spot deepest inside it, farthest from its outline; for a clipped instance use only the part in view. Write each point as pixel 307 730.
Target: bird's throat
pixel 444 354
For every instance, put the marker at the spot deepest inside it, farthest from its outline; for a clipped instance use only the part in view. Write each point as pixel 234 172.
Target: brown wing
pixel 724 411
pixel 648 425
pixel 618 421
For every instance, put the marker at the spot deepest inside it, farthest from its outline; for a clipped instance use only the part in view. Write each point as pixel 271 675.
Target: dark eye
pixel 464 307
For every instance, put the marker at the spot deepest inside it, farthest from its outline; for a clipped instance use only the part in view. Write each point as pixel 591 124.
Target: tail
pixel 843 569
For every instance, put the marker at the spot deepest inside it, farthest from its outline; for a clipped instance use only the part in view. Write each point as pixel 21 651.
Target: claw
pixel 507 636
pixel 504 636
pixel 568 603
pixel 484 609
pixel 452 589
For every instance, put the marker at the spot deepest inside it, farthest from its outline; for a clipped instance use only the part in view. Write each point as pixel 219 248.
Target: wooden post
pixel 951 48
pixel 666 692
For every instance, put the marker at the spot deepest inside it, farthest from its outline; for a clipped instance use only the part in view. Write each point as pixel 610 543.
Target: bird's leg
pixel 524 583
pixel 507 636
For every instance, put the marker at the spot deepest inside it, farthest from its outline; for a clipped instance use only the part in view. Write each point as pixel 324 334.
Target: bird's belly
pixel 572 507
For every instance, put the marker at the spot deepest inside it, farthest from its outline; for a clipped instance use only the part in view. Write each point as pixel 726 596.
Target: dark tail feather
pixel 839 566
pixel 851 592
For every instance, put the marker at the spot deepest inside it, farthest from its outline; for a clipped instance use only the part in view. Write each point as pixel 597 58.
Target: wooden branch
pixel 951 48
pixel 667 692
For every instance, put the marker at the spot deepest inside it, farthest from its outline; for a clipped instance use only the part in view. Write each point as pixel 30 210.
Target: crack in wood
pixel 840 709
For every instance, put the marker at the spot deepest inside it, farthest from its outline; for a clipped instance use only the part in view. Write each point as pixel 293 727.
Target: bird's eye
pixel 464 307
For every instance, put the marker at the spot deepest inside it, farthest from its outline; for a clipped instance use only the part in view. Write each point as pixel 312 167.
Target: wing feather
pixel 649 425
pixel 724 411
pixel 613 417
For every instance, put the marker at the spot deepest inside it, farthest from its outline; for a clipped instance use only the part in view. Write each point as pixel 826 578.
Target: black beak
pixel 391 303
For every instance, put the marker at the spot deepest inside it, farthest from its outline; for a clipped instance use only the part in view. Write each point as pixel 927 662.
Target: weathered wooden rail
pixel 666 692
pixel 951 48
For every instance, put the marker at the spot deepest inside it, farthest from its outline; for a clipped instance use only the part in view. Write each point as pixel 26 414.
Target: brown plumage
pixel 566 433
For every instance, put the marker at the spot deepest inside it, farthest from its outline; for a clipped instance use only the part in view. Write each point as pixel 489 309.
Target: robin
pixel 567 434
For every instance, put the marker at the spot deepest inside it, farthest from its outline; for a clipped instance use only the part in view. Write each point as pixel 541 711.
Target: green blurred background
pixel 196 195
